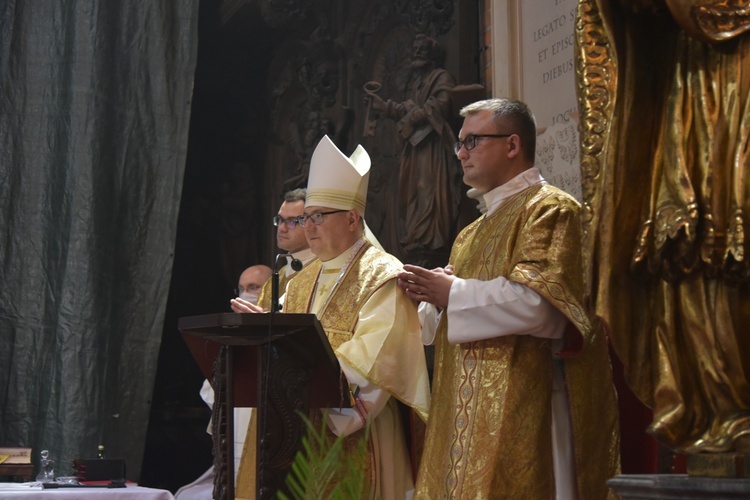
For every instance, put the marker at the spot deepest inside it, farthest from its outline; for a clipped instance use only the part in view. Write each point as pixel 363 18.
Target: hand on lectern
pixel 239 305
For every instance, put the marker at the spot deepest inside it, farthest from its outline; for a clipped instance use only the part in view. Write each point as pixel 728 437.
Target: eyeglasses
pixel 291 222
pixel 316 218
pixel 250 288
pixel 470 141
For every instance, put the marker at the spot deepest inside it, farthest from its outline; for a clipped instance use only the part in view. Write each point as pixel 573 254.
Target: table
pixel 131 492
pixel 23 471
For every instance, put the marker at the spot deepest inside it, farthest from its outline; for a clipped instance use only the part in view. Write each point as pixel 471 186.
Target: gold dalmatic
pixel 266 293
pixel 665 118
pixel 489 432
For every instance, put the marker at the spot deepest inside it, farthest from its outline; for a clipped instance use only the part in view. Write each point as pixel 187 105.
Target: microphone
pixel 296 265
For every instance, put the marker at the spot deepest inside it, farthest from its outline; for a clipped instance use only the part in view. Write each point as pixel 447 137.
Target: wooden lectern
pixel 281 364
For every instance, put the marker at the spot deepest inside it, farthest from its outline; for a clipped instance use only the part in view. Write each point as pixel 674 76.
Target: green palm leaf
pixel 324 469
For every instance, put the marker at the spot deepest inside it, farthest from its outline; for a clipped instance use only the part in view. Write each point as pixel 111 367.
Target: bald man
pixel 251 282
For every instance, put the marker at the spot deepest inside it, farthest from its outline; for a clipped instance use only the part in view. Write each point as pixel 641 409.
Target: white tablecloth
pixel 131 492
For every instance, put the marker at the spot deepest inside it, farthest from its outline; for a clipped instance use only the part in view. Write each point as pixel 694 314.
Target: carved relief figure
pixel 303 141
pixel 307 104
pixel 665 97
pixel 428 175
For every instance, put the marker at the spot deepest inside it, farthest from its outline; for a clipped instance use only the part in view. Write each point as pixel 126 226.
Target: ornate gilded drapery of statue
pixel 664 95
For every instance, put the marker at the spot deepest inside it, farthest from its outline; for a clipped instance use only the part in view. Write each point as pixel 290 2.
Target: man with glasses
pixel 371 324
pixel 523 404
pixel 290 237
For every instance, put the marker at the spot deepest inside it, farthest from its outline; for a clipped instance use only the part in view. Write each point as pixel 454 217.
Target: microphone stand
pixel 296 265
pixel 275 306
pixel 265 380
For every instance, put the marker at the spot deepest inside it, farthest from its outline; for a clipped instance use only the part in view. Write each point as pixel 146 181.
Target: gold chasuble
pixel 370 270
pixel 489 433
pixel 374 329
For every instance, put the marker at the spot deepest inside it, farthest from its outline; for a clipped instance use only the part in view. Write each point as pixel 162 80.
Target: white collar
pixel 343 258
pixel 495 198
pixel 305 255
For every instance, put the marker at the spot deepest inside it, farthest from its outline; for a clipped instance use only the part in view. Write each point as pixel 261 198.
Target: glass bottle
pixel 46 469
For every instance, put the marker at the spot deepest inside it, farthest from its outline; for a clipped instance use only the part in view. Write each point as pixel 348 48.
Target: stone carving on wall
pixel 426 15
pixel 306 104
pixel 315 87
pixel 278 13
pixel 429 173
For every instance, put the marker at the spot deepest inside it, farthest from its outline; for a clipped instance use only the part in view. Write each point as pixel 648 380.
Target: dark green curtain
pixel 94 113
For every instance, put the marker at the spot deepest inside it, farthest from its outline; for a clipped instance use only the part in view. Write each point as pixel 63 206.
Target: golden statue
pixel 664 95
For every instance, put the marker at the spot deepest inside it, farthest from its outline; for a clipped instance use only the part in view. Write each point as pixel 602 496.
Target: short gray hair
pixel 515 113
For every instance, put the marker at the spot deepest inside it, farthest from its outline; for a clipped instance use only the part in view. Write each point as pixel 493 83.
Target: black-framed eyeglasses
pixel 291 222
pixel 470 141
pixel 316 218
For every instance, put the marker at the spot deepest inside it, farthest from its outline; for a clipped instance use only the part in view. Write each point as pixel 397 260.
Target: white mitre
pixel 337 181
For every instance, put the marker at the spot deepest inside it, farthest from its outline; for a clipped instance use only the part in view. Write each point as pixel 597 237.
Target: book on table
pixel 15 455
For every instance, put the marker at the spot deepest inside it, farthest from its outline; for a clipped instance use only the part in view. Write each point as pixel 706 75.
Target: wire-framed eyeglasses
pixel 250 288
pixel 470 141
pixel 291 222
pixel 316 218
